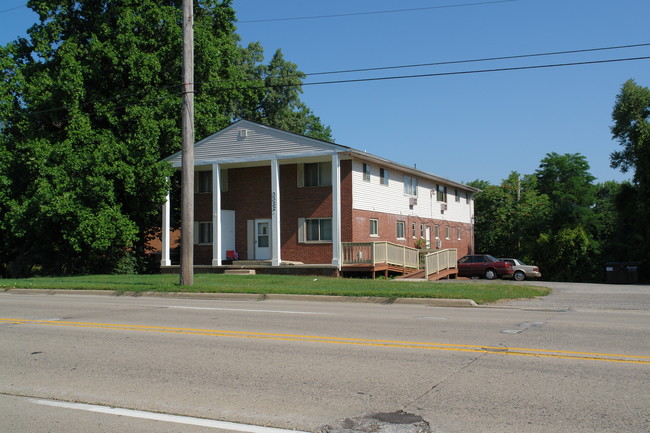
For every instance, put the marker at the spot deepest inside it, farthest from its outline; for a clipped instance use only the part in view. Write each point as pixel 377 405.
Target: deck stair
pixel 410 263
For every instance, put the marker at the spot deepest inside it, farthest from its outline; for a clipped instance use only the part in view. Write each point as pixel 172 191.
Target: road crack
pixel 443 380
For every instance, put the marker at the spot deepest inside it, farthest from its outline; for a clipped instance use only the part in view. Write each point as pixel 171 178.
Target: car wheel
pixel 520 276
pixel 490 274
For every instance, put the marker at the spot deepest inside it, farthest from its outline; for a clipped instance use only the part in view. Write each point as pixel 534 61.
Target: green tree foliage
pixel 631 116
pixel 90 106
pixel 507 216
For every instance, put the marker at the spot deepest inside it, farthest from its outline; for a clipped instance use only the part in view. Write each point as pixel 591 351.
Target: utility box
pixel 622 272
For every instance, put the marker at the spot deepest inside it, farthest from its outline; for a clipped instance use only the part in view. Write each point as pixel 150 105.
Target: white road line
pixel 188 420
pixel 248 310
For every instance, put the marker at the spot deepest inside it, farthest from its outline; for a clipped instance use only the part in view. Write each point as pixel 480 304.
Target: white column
pixel 276 258
pixel 336 211
pixel 216 215
pixel 165 260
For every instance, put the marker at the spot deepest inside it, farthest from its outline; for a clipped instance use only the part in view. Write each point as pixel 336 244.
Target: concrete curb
pixel 433 302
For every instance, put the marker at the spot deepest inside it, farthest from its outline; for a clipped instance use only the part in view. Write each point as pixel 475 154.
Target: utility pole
pixel 187 152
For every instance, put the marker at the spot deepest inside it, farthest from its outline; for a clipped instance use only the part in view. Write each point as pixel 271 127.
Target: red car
pixel 484 265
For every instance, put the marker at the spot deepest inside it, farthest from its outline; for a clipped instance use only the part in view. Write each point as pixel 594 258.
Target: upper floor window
pixel 457 193
pixel 205 181
pixel 442 193
pixel 410 186
pixel 366 172
pixel 383 176
pixel 318 174
pixel 467 197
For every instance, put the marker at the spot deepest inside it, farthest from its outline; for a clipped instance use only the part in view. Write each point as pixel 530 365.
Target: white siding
pixel 249 140
pixel 373 196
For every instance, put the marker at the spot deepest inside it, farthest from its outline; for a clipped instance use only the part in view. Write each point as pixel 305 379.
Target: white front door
pixel 262 239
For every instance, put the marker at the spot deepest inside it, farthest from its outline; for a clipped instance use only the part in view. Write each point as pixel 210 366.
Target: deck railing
pixel 440 260
pixel 373 253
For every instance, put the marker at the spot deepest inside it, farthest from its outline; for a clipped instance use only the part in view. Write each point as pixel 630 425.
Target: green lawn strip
pixel 283 284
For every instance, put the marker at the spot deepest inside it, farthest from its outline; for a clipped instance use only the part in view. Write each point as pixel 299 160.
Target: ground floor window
pixel 205 233
pixel 374 227
pixel 400 230
pixel 319 229
pixel 458 232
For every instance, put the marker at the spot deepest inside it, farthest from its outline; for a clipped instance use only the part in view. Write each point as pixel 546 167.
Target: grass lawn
pixel 481 292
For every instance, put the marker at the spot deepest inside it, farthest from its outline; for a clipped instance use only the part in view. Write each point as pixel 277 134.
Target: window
pixel 205 233
pixel 366 172
pixel 458 232
pixel 318 174
pixel 457 193
pixel 447 232
pixel 467 197
pixel 318 229
pixel 437 231
pixel 205 181
pixel 410 186
pixel 400 230
pixel 442 193
pixel 421 230
pixel 413 232
pixel 383 176
pixel 374 227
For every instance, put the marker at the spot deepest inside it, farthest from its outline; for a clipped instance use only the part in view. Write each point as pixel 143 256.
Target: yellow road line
pixel 560 354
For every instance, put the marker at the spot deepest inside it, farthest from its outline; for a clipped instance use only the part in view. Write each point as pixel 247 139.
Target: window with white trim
pixel 314 230
pixel 410 186
pixel 437 231
pixel 318 174
pixel 447 232
pixel 413 231
pixel 383 176
pixel 374 227
pixel 366 172
pixel 441 193
pixel 457 193
pixel 400 230
pixel 458 232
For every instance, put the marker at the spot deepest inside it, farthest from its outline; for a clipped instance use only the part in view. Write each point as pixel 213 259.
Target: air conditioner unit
pixel 413 201
pixel 438 244
pixel 443 207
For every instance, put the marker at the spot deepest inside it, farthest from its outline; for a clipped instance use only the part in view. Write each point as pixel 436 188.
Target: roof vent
pixel 243 133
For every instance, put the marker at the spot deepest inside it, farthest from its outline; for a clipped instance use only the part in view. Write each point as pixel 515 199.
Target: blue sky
pixel 463 127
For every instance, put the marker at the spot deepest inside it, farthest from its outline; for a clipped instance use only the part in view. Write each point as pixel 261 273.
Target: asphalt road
pixel 578 360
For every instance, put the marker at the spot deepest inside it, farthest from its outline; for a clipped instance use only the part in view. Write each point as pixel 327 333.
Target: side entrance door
pixel 262 239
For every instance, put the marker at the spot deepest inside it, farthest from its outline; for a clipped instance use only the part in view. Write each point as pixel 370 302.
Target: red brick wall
pixel 249 195
pixel 388 230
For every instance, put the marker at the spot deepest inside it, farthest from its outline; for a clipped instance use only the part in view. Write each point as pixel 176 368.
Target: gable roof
pixel 256 142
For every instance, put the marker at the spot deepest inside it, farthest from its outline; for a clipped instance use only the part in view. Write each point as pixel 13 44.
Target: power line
pixel 373 12
pixel 479 71
pixel 360 80
pixel 12 9
pixel 486 59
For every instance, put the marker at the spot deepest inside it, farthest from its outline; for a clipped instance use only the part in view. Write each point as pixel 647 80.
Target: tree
pixel 508 216
pixel 92 107
pixel 631 116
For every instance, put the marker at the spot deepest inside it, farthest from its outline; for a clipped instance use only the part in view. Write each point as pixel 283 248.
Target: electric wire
pixel 266 20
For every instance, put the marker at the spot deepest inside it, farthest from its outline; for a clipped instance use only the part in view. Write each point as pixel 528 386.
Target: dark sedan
pixel 484 265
